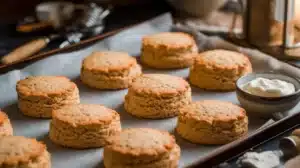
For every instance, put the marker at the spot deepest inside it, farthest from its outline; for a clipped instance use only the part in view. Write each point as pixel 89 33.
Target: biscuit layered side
pixel 84 126
pixel 109 70
pixel 39 95
pixel 157 96
pixel 219 69
pixel 23 152
pixel 5 125
pixel 212 122
pixel 168 50
pixel 142 148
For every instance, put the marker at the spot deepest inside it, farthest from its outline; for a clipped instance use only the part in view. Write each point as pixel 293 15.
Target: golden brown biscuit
pixel 142 148
pixel 168 50
pixel 219 69
pixel 157 96
pixel 212 122
pixel 84 125
pixel 5 125
pixel 39 95
pixel 21 152
pixel 109 70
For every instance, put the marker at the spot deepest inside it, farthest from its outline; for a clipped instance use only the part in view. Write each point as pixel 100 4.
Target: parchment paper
pixel 129 40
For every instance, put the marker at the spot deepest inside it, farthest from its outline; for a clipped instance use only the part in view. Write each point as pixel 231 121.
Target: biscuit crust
pixel 109 70
pixel 17 151
pixel 168 50
pixel 39 95
pixel 212 122
pixel 219 69
pixel 108 61
pixel 84 125
pixel 157 96
pixel 5 125
pixel 142 147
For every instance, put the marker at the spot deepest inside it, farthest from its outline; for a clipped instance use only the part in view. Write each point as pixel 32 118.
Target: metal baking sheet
pixel 69 64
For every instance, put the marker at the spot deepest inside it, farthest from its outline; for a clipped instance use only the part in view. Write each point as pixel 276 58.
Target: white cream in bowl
pixel 268 87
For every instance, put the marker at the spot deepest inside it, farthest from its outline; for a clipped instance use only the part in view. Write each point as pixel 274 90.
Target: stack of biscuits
pixel 149 96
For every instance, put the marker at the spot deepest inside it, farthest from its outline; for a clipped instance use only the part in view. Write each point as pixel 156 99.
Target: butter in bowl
pixel 266 94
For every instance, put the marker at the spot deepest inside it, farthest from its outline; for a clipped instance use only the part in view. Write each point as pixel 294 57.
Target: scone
pixel 109 70
pixel 142 148
pixel 5 126
pixel 219 69
pixel 39 95
pixel 212 122
pixel 168 50
pixel 21 152
pixel 84 125
pixel 157 96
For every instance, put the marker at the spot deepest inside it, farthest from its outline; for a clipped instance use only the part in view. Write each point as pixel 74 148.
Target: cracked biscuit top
pixel 222 59
pixel 85 114
pixel 211 111
pixel 108 61
pixel 17 149
pixel 170 40
pixel 44 86
pixel 159 85
pixel 142 142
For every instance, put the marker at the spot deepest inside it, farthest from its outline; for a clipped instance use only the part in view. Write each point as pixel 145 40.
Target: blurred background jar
pixel 198 8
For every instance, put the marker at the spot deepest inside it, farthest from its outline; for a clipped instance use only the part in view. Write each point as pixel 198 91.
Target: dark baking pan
pixel 221 155
pixel 236 148
pixel 272 144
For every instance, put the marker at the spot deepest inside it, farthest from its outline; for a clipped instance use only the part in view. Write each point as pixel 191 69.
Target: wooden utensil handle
pixel 296 132
pixel 25 50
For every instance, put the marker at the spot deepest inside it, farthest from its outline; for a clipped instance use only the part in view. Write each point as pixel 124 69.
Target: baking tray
pixel 264 140
pixel 271 144
pixel 68 64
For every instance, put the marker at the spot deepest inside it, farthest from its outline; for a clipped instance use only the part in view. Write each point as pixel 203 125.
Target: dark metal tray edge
pixel 237 147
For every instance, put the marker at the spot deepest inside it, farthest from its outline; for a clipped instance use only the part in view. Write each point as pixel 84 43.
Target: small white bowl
pixel 266 107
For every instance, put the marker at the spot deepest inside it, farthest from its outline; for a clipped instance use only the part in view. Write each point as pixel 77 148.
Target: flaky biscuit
pixel 109 70
pixel 142 148
pixel 21 152
pixel 84 125
pixel 168 50
pixel 212 122
pixel 219 69
pixel 39 95
pixel 157 96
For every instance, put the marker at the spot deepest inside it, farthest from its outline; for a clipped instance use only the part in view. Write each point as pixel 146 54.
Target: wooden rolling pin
pixel 294 163
pixel 296 132
pixel 290 146
pixel 26 50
